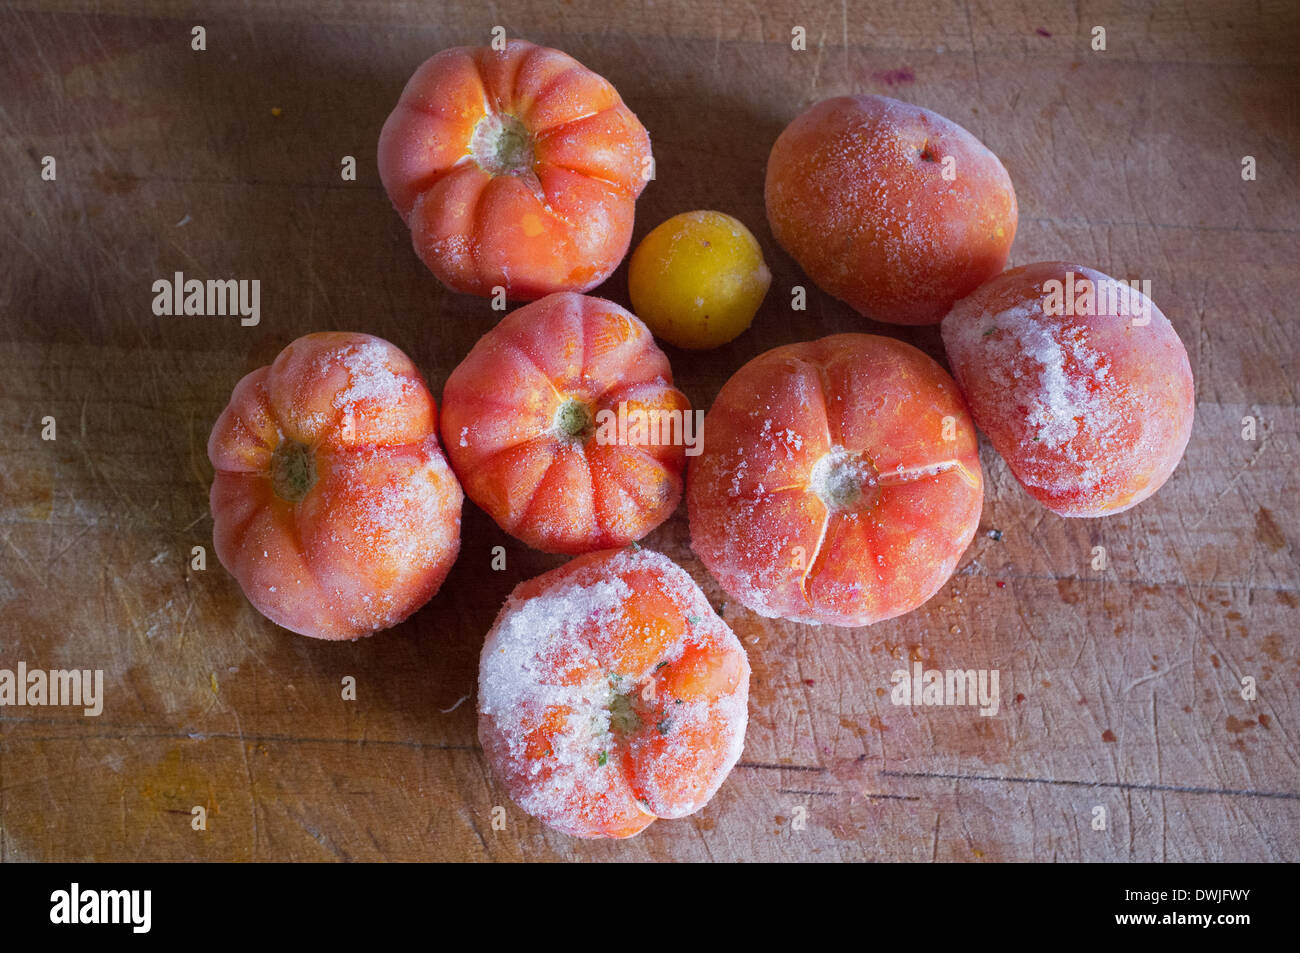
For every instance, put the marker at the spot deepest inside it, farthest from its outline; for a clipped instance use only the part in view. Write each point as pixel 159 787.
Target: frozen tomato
pixel 610 694
pixel 517 168
pixel 332 505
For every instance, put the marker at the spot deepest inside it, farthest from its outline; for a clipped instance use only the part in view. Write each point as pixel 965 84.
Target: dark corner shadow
pixel 284 104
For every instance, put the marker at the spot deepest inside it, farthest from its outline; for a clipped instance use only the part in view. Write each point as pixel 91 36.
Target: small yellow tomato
pixel 698 279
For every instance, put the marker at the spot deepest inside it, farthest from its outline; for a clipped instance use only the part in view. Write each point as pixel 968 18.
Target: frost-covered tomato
pixel 517 168
pixel 564 425
pixel 1079 381
pixel 333 505
pixel 840 482
pixel 610 693
pixel 889 207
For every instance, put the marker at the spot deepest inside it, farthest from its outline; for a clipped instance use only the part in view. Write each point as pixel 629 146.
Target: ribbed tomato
pixel 517 168
pixel 610 693
pixel 564 425
pixel 333 505
pixel 840 482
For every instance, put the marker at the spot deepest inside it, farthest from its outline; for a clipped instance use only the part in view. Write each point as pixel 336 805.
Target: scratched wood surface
pixel 1119 688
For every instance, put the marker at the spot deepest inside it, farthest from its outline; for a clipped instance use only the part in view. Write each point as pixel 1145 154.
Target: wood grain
pixel 1119 688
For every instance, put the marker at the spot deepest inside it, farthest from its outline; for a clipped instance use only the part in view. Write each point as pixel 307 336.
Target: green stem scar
pixel 502 145
pixel 623 718
pixel 293 471
pixel 574 420
pixel 842 478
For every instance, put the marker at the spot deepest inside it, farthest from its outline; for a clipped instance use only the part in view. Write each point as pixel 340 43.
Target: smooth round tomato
pixel 518 168
pixel 893 209
pixel 333 505
pixel 698 279
pixel 1090 406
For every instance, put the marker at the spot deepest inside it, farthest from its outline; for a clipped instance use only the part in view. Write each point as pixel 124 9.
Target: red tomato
pixel 333 505
pixel 517 168
pixel 564 425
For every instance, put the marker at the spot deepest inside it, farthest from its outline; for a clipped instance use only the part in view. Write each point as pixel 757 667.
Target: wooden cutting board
pixel 1121 689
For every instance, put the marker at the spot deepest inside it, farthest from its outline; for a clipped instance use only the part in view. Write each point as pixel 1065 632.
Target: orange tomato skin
pixel 610 694
pixel 891 208
pixel 376 532
pixel 1106 424
pixel 840 482
pixel 557 216
pixel 559 493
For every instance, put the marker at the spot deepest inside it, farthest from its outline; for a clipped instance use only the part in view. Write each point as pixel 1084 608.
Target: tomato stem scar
pixel 293 471
pixel 574 420
pixel 502 145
